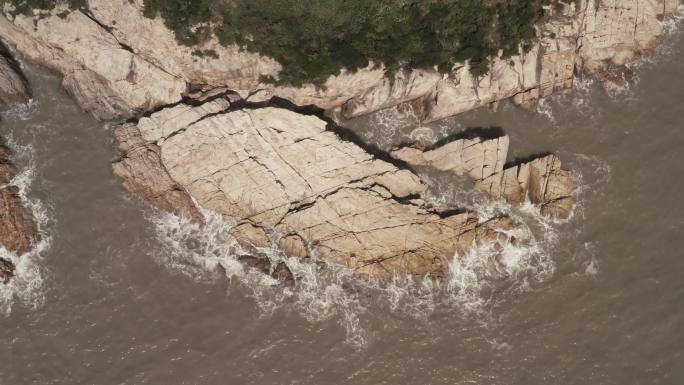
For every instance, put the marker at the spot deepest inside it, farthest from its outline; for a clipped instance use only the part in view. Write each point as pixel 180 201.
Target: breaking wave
pixel 472 284
pixel 207 252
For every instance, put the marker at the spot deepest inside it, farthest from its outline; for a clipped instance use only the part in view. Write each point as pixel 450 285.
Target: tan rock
pixel 144 175
pixel 293 245
pixel 251 237
pixel 541 180
pixel 477 158
pixel 285 178
pixel 119 63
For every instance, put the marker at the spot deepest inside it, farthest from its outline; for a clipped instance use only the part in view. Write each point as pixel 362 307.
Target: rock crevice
pixel 287 179
pixel 540 180
pixel 118 63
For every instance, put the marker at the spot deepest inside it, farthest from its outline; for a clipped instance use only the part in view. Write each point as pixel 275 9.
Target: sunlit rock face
pixel 540 181
pixel 287 179
pixel 118 63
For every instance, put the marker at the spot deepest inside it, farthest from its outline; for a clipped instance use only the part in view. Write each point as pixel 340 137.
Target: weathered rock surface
pixel 144 175
pixel 118 63
pixel 17 226
pixel 14 88
pixel 287 179
pixel 541 180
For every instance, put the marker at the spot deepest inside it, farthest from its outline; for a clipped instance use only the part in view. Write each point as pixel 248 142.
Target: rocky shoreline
pixel 204 130
pixel 117 63
pixel 18 230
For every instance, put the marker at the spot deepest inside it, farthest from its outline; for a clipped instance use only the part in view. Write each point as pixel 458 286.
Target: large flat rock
pixel 541 181
pixel 285 178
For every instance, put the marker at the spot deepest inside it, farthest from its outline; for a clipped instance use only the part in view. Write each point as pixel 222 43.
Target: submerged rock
pixel 540 180
pixel 288 180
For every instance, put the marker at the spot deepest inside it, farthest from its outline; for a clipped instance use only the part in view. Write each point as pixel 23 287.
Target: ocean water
pixel 118 293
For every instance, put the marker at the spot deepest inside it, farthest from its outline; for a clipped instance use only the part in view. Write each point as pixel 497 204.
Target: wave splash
pixel 207 252
pixel 323 291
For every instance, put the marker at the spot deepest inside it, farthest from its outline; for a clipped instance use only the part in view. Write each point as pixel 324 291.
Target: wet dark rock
pixel 18 230
pixel 6 271
pixel 14 87
pixel 262 263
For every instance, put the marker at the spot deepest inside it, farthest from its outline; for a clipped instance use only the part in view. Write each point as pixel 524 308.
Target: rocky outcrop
pixel 144 175
pixel 14 88
pixel 117 63
pixel 541 180
pixel 284 177
pixel 18 231
pixel 288 180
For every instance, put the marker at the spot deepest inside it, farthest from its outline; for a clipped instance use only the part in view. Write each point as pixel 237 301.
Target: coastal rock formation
pixel 286 179
pixel 18 230
pixel 14 87
pixel 144 175
pixel 117 63
pixel 540 180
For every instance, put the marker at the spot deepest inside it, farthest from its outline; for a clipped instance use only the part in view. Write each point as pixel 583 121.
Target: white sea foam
pixel 673 24
pixel 202 252
pixel 324 291
pixel 26 287
pixel 22 111
pixel 472 284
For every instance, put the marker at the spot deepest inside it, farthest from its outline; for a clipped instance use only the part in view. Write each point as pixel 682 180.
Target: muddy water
pixel 121 294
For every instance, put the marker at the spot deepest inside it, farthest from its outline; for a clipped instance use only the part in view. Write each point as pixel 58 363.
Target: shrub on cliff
pixel 314 39
pixel 26 6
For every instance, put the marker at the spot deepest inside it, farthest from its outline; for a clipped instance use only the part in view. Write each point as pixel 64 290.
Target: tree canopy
pixel 313 39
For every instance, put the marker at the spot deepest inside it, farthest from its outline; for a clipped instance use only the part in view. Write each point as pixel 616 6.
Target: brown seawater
pixel 121 294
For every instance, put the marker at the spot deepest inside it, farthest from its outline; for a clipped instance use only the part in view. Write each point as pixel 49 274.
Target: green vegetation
pixel 26 6
pixel 206 53
pixel 314 39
